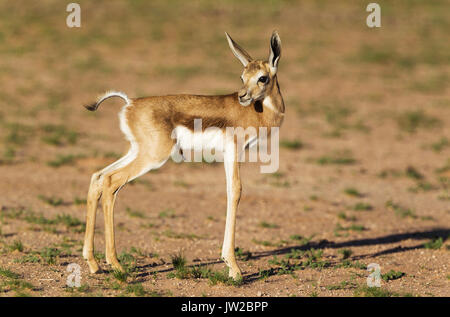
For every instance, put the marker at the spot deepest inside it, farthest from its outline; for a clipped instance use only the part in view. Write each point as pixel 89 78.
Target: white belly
pixel 208 139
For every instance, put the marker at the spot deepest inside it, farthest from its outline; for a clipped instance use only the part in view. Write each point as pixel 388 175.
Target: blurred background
pixel 365 146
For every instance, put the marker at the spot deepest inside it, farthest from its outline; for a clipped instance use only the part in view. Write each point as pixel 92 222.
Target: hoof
pixel 235 274
pixel 93 266
pixel 116 265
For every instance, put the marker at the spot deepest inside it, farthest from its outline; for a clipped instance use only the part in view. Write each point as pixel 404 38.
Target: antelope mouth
pixel 246 102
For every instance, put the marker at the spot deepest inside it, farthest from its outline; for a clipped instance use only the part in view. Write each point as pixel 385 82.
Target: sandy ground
pixel 364 171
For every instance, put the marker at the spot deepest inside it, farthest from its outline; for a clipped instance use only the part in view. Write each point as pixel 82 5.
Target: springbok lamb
pixel 157 125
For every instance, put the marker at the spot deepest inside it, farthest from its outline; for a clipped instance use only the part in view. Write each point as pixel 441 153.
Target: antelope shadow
pixel 443 233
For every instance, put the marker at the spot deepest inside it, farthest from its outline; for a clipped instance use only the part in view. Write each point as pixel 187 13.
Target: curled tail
pixel 101 98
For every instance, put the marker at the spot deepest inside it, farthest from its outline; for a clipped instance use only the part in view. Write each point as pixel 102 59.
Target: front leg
pixel 234 189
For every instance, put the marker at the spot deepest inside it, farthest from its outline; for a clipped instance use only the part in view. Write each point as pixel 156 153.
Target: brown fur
pixel 151 121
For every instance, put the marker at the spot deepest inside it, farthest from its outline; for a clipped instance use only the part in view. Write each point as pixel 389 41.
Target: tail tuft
pixel 109 94
pixel 92 106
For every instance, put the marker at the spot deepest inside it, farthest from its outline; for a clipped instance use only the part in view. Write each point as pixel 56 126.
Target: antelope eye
pixel 263 79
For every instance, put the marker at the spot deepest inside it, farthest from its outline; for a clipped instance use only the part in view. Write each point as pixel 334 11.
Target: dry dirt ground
pixel 364 171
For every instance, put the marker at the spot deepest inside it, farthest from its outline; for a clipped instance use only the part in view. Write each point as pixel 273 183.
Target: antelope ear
pixel 275 52
pixel 238 51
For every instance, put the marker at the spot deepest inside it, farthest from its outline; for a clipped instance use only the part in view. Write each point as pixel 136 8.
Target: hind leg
pixel 112 184
pixel 95 191
pixel 94 194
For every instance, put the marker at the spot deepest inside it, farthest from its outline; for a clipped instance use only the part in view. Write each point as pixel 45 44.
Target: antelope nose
pixel 242 94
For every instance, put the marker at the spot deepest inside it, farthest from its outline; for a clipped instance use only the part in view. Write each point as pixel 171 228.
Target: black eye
pixel 263 79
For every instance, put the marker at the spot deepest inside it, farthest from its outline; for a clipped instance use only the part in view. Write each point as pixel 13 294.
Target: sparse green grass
pixel 278 180
pixel 52 201
pixel 83 289
pixel 62 160
pixel 134 213
pixel 336 114
pixel 180 183
pixel 167 213
pixel 177 235
pixel 365 291
pixel 92 63
pixel 413 173
pixel 389 172
pixel 361 206
pixel 291 144
pixel 264 224
pixel 411 121
pixel 69 221
pixel 137 289
pixel 16 246
pixel 282 184
pixel 346 253
pixel 144 182
pixel 342 215
pixel 242 255
pixel 422 187
pixel 121 276
pixel 342 285
pixel 351 191
pixel 375 54
pixel 444 168
pixel 58 135
pixel 300 239
pixel 353 227
pixel 28 258
pixel 178 261
pixel 197 272
pixel 72 223
pixel 8 273
pixel 440 145
pixel 267 243
pixel 433 84
pixel 17 134
pixel 400 211
pixel 346 263
pixel 128 261
pixel 264 274
pixel 137 251
pixel 434 244
pixel 297 260
pixel 49 255
pixel 9 154
pixel 392 275
pixel 79 201
pixel 216 277
pixel 11 281
pixel 337 158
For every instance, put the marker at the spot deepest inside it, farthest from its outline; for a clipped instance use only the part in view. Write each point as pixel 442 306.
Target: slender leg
pixel 112 185
pixel 92 202
pixel 95 191
pixel 234 189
